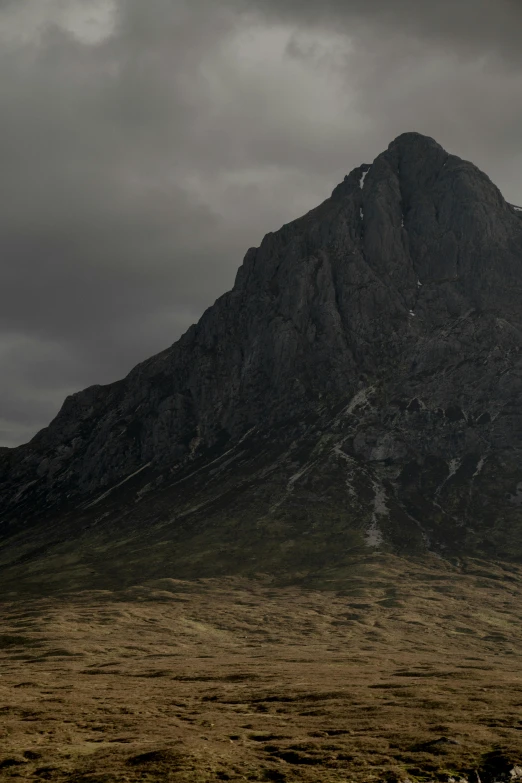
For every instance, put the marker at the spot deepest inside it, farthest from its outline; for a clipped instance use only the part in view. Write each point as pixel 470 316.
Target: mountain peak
pixel 369 356
pixel 413 152
pixel 412 139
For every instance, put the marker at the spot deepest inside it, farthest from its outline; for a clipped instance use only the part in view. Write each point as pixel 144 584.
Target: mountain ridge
pixel 384 323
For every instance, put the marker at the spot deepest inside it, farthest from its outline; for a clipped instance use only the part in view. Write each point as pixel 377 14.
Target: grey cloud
pixel 136 172
pixel 101 246
pixel 481 26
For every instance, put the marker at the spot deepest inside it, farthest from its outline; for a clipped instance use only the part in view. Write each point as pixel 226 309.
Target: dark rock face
pixel 382 332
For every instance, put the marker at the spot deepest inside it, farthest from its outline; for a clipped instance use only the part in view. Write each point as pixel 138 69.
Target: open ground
pixel 411 670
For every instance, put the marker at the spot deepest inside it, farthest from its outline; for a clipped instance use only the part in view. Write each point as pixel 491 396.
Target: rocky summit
pixel 358 390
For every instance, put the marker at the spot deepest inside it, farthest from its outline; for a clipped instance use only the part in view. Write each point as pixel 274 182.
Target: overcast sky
pixel 146 144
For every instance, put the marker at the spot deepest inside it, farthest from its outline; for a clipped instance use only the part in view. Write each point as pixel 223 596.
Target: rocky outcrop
pixel 382 330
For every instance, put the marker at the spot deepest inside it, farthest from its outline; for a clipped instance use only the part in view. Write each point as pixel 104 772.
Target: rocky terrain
pixel 289 546
pixel 359 386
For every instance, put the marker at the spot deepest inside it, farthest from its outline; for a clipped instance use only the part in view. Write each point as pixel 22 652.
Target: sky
pixel 145 146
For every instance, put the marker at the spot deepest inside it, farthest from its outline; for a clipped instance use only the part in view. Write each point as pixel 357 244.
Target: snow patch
pixel 478 469
pixel 419 284
pixel 361 213
pixel 218 459
pixel 359 400
pixel 203 467
pixel 296 477
pixel 291 483
pixel 246 435
pixel 412 314
pixel 22 489
pixel 363 177
pixel 337 449
pixel 108 492
pixel 374 537
pixel 379 502
pixel 191 510
pixel 454 465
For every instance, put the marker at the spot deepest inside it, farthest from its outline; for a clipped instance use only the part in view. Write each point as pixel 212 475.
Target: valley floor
pixel 408 670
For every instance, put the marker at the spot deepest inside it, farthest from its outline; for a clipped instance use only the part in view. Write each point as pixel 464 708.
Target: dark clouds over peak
pixel 145 146
pixel 480 26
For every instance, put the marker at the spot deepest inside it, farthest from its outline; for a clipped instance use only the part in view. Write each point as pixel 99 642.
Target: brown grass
pixel 412 671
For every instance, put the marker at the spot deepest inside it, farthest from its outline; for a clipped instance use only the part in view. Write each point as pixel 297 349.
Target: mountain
pixel 359 389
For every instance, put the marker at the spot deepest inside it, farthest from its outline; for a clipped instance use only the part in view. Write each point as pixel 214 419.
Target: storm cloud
pixel 145 146
pixel 481 26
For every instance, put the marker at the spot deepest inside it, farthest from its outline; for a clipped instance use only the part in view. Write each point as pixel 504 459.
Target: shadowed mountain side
pixel 359 387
